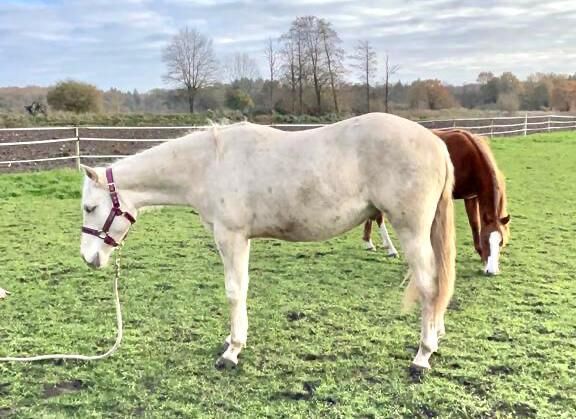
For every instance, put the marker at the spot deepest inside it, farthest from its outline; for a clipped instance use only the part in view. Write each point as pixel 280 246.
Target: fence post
pixel 526 125
pixel 453 123
pixel 77 135
pixel 549 118
pixel 491 128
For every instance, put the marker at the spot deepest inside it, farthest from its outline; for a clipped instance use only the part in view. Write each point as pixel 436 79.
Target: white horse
pixel 250 181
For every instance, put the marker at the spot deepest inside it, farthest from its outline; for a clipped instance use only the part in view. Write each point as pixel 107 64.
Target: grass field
pixel 326 336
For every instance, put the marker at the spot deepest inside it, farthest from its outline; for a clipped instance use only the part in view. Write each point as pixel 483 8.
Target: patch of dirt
pixel 474 386
pixel 318 357
pixel 309 392
pixel 295 316
pixel 454 305
pixel 500 370
pixel 4 389
pixel 66 149
pixel 63 387
pixel 6 412
pixel 521 410
pixel 499 336
pixel 427 411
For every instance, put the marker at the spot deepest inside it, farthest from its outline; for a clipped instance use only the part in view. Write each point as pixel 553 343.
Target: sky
pixel 118 43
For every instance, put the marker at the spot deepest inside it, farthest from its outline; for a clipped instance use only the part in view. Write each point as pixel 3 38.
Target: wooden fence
pixel 26 148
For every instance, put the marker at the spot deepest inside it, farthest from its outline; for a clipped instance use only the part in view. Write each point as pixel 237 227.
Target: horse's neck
pixel 489 194
pixel 169 174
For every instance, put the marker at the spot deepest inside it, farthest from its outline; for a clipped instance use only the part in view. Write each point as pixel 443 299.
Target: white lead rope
pixel 86 357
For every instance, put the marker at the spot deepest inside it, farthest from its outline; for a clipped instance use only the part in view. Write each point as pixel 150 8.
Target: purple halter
pixel 115 211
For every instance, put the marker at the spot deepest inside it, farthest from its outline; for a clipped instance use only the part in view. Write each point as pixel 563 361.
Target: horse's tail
pixel 443 239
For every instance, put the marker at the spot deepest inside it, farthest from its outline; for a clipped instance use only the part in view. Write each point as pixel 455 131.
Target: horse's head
pixel 107 217
pixel 493 237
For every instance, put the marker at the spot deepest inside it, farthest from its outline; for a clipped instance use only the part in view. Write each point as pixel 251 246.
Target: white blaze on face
pixel 492 265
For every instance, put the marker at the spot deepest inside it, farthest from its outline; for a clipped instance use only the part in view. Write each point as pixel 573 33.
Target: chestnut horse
pixel 482 187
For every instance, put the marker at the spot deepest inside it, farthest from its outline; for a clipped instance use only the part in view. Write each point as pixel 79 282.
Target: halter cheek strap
pixel 115 211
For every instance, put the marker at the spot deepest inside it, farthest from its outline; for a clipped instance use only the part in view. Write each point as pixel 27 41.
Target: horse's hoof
pixel 369 246
pixel 4 293
pixel 225 364
pixel 393 255
pixel 416 373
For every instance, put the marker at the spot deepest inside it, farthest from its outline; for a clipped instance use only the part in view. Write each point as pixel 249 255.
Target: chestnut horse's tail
pixel 443 239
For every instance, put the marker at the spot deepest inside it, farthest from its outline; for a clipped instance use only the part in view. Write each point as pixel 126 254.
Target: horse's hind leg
pixel 234 250
pixel 386 241
pixel 368 245
pixel 420 257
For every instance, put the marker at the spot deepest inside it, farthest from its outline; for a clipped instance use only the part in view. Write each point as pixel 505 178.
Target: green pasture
pixel 326 338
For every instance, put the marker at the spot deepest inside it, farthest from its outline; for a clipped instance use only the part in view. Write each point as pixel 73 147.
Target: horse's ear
pixel 505 220
pixel 92 174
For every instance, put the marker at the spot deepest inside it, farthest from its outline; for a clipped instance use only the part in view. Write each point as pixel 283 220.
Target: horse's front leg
pixel 234 250
pixel 386 241
pixel 474 219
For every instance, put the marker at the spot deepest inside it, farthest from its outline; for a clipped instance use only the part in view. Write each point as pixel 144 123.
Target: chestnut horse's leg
pixel 386 241
pixel 368 245
pixel 234 250
pixel 473 212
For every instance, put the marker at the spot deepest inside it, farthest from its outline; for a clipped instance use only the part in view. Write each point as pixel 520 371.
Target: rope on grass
pixel 119 329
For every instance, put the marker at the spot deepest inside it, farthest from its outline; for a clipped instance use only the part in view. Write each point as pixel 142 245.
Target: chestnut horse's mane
pixel 482 145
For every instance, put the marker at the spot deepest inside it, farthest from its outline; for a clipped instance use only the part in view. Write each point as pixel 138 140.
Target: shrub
pixel 75 96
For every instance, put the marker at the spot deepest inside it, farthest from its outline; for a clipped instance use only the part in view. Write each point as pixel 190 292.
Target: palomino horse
pixel 482 187
pixel 249 181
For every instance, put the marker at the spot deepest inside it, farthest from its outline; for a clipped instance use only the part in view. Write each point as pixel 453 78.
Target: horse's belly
pixel 310 225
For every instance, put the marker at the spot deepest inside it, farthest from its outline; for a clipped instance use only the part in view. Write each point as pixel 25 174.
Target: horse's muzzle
pixel 94 263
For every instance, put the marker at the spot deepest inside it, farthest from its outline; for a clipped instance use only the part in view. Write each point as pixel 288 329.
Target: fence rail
pixel 59 150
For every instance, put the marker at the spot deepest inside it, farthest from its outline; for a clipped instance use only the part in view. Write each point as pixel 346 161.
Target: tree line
pixel 308 72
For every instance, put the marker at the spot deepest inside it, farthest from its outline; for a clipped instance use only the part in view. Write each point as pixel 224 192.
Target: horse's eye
pixel 89 209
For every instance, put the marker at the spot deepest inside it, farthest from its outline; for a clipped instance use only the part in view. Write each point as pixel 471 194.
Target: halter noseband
pixel 115 211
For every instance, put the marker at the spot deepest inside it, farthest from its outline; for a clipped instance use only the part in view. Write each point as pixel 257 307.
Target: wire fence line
pixel 69 148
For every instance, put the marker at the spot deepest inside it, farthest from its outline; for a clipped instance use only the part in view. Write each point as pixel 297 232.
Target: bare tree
pixel 310 27
pixel 241 66
pixel 289 66
pixel 334 56
pixel 389 71
pixel 365 61
pixel 296 36
pixel 241 71
pixel 272 61
pixel 190 61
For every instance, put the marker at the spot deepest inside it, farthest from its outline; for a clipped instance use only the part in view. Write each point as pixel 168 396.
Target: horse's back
pixel 316 184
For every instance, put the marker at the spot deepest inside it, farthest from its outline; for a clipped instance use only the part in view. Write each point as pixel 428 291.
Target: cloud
pixel 118 43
